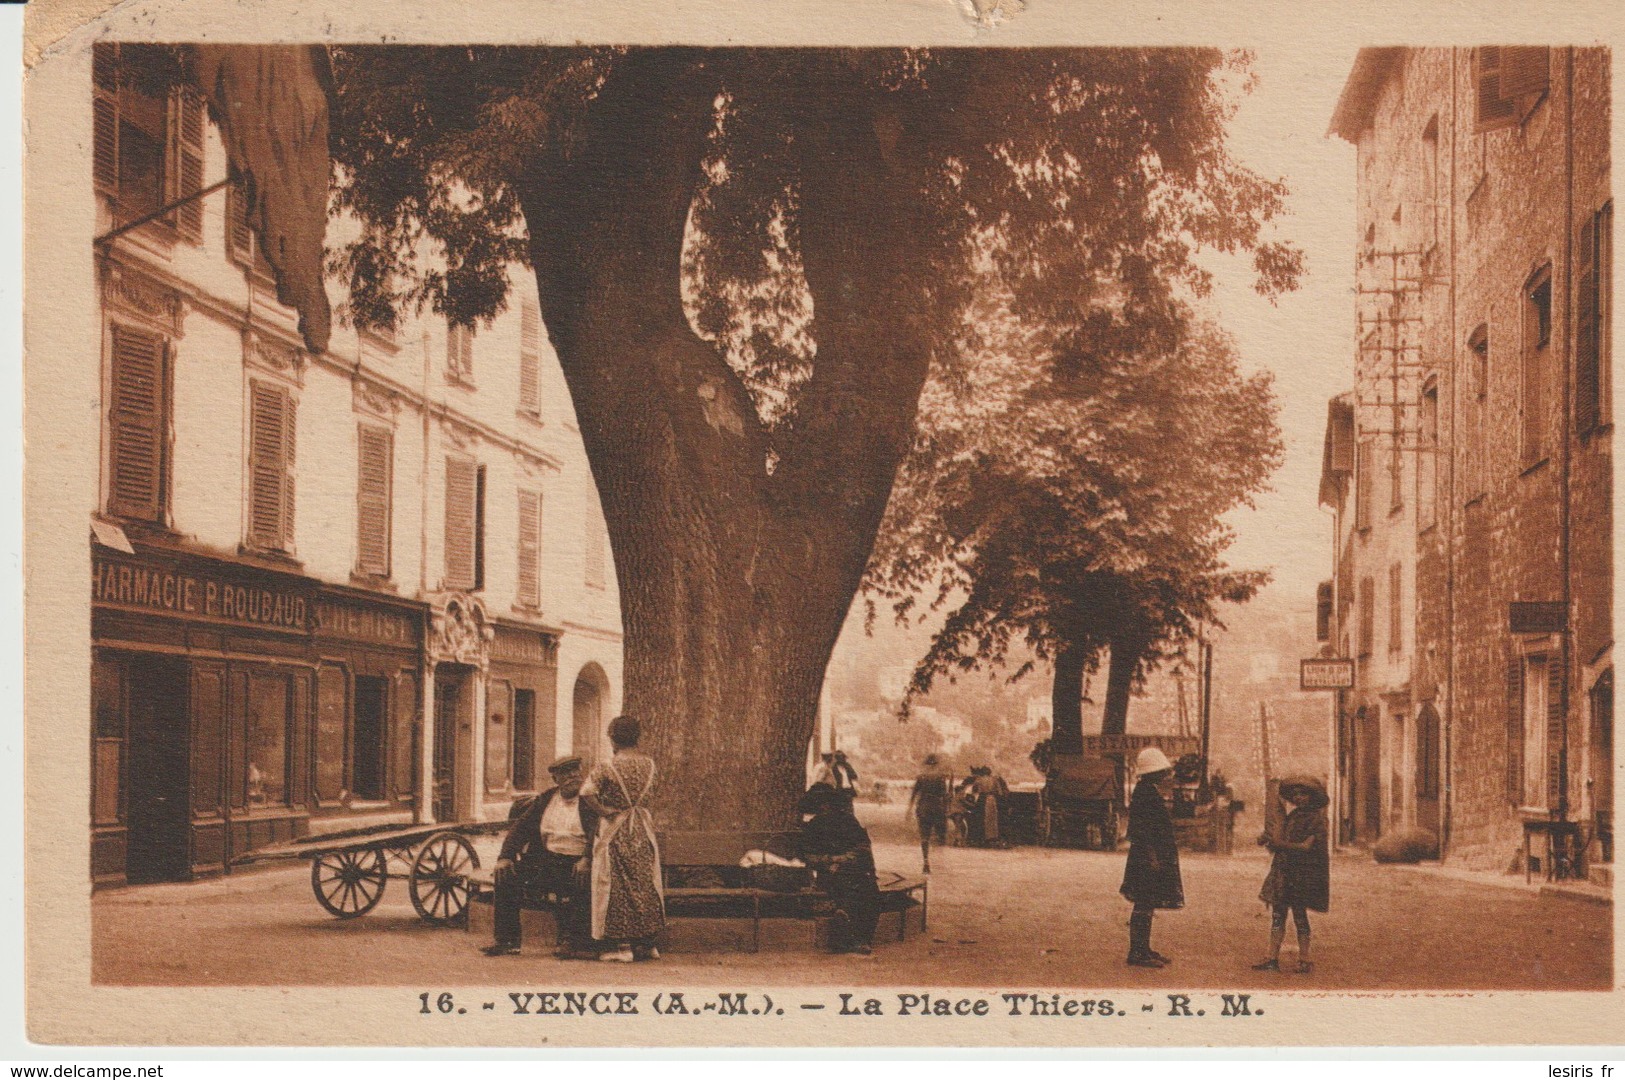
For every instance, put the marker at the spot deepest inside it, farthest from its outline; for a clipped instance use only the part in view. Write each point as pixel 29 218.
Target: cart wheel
pixel 439 881
pixel 349 883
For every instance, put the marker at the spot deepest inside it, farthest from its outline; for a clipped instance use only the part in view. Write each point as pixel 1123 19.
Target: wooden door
pixel 159 777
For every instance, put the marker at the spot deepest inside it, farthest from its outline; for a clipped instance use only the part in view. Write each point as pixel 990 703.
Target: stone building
pixel 371 585
pixel 1470 467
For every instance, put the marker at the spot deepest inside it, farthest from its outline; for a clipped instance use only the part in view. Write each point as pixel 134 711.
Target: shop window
pixel 459 353
pixel 138 425
pixel 465 524
pixel 1509 81
pixel 271 445
pixel 530 549
pixel 367 744
pixel 107 746
pixel 1396 609
pixel 1427 456
pixel 332 723
pixel 374 473
pixel 1368 615
pixel 148 149
pixel 1537 337
pixel 1593 322
pixel 269 706
pixel 530 359
pixel 524 740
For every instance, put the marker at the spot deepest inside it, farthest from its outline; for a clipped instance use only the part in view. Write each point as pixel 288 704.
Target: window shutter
pixel 239 236
pixel 104 79
pixel 137 416
pixel 530 549
pixel 375 456
pixel 1514 777
pixel 461 481
pixel 1554 729
pixel 530 357
pixel 1368 615
pixel 290 431
pixel 460 350
pixel 186 153
pixel 1494 110
pixel 1525 69
pixel 1587 340
pixel 269 457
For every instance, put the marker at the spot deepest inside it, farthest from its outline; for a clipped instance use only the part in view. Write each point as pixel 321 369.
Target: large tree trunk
pixel 1125 661
pixel 734 580
pixel 1066 700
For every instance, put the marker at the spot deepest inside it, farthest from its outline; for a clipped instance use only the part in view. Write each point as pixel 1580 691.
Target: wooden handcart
pixel 349 869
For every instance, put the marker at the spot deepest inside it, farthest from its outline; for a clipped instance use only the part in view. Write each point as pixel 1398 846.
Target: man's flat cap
pixel 565 764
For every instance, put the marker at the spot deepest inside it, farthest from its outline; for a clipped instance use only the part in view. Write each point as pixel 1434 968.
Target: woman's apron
pixel 635 816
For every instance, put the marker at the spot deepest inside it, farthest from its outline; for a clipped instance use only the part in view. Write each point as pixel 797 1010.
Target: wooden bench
pixel 703 881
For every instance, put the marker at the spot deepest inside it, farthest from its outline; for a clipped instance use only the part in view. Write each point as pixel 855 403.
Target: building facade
pixel 371 585
pixel 1470 467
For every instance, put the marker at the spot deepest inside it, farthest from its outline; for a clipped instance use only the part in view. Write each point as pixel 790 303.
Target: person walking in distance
pixel 933 790
pixel 1300 872
pixel 1151 876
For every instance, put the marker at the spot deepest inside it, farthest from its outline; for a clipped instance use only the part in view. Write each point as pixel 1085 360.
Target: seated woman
pixel 835 844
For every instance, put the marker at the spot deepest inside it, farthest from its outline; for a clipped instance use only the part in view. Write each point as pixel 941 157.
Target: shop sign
pixel 133 586
pixel 366 623
pixel 518 647
pixel 1176 745
pixel 1325 673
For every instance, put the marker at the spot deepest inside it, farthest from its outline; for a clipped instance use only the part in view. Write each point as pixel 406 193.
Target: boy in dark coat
pixel 1300 873
pixel 1151 877
pixel 834 843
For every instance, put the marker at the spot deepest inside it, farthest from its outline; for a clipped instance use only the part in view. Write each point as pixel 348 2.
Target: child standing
pixel 1300 873
pixel 1151 877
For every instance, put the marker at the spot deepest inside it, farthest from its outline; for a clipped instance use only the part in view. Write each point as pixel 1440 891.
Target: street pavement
pixel 1026 917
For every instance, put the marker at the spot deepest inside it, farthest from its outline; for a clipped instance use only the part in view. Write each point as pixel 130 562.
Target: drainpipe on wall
pixel 1447 740
pixel 1567 430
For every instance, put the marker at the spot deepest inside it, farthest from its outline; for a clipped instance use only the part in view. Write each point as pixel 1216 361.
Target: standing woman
pixel 1151 878
pixel 628 905
pixel 1300 877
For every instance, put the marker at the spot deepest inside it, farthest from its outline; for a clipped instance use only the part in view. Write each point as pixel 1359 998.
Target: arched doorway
pixel 587 712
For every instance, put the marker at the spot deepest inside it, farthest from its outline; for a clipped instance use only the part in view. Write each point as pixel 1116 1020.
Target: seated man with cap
pixel 548 850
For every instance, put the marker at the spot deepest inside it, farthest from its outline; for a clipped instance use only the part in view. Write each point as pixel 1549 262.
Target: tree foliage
pixel 1075 521
pixel 749 261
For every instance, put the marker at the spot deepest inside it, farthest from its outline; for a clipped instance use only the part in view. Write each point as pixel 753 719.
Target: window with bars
pixel 272 425
pixel 530 550
pixel 465 524
pixel 1508 81
pixel 1537 337
pixel 1593 322
pixel 374 475
pixel 459 353
pixel 530 359
pixel 138 425
pixel 148 151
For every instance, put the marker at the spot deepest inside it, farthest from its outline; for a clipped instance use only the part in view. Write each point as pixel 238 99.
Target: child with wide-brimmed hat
pixel 1300 872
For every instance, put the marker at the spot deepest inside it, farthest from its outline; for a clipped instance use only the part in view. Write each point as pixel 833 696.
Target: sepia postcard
pixel 954 523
